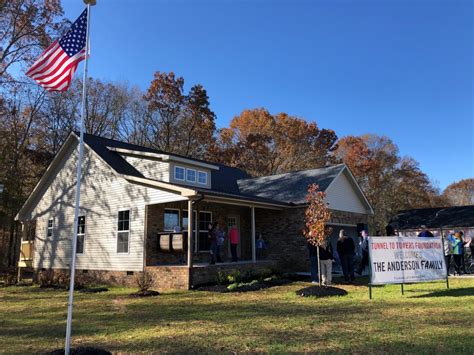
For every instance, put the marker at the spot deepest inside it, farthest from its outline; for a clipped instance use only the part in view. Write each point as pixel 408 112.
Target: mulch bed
pixel 94 289
pixel 246 288
pixel 148 293
pixel 82 350
pixel 316 291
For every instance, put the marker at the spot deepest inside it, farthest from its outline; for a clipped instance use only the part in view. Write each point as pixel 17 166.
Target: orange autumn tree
pixel 317 215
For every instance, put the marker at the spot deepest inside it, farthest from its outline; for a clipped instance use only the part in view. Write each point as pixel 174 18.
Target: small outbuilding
pixel 438 221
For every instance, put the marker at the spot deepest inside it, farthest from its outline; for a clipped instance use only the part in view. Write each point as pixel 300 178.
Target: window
pixel 191 175
pixel 171 219
pixel 185 220
pixel 81 233
pixel 179 173
pixel 202 177
pixel 123 231
pixel 203 238
pixel 49 231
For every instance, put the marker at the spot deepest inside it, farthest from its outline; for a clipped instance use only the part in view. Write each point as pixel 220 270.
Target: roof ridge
pixel 295 171
pixel 154 150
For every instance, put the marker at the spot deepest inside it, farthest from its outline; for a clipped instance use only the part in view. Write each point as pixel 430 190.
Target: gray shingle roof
pixel 290 187
pixel 449 217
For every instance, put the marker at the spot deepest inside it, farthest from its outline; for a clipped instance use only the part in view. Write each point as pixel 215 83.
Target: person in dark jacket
pixel 425 233
pixel 364 248
pixel 313 258
pixel 326 257
pixel 346 250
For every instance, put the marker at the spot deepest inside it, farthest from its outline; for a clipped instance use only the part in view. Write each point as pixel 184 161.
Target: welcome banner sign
pixel 398 260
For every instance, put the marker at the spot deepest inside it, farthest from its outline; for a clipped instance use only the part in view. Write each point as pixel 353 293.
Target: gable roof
pixel 447 217
pixel 227 182
pixel 290 187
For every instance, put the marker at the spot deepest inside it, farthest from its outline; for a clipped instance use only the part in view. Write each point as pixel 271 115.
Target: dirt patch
pixel 94 289
pixel 316 291
pixel 148 293
pixel 245 287
pixel 82 350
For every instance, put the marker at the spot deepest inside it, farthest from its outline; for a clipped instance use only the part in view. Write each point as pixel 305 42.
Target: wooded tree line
pixel 34 124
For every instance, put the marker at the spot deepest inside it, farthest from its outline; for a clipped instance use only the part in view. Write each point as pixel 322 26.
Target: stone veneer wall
pixel 283 233
pixel 155 222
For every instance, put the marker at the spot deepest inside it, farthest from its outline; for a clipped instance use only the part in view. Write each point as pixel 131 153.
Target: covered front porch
pixel 174 226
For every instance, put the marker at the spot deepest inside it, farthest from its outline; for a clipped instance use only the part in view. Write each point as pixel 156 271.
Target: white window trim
pixel 205 174
pixel 195 175
pixel 184 171
pixel 52 228
pixel 179 218
pixel 84 235
pixel 197 250
pixel 129 230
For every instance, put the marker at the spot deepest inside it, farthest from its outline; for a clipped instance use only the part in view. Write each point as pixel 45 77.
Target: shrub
pixel 233 287
pixel 221 278
pixel 145 281
pixel 62 279
pixel 9 276
pixel 236 277
pixel 46 278
pixel 81 281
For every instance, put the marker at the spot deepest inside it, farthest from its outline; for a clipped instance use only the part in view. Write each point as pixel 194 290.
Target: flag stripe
pixel 46 62
pixel 58 67
pixel 50 66
pixel 52 80
pixel 43 56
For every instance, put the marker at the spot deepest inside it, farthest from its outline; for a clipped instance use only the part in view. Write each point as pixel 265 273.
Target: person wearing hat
pixel 425 233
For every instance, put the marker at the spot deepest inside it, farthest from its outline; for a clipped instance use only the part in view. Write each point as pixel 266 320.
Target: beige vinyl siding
pixel 189 166
pixel 103 194
pixel 341 195
pixel 150 168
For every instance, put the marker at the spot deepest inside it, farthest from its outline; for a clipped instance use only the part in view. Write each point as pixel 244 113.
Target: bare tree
pixel 26 27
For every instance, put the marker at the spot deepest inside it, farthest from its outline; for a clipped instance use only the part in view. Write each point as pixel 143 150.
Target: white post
pixel 254 254
pixel 78 194
pixel 190 233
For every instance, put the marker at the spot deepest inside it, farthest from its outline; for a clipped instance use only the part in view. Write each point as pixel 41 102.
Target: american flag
pixel 55 67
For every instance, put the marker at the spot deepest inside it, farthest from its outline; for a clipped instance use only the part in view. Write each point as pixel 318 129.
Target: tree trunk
pixel 319 266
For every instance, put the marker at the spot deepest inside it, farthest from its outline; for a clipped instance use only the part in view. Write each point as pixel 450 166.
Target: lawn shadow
pixel 453 292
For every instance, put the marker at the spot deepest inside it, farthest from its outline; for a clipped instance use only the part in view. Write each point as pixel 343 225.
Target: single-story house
pixel 441 220
pixel 140 208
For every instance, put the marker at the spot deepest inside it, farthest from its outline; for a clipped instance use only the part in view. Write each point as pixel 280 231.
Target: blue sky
pixel 398 68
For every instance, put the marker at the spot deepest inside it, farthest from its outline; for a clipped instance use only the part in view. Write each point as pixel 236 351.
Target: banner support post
pixel 370 274
pixel 447 266
pixel 403 291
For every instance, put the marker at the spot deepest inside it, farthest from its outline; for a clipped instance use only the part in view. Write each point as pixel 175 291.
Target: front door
pixel 234 219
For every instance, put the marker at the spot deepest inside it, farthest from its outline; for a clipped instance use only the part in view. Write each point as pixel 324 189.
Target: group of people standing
pixel 345 253
pixel 454 249
pixel 454 245
pixel 217 237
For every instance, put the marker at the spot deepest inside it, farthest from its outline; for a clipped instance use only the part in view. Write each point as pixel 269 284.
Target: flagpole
pixel 78 193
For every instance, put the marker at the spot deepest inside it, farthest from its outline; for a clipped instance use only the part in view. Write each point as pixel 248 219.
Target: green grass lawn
pixel 427 319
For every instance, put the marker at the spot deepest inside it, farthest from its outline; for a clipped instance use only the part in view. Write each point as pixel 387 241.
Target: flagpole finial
pixel 90 2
